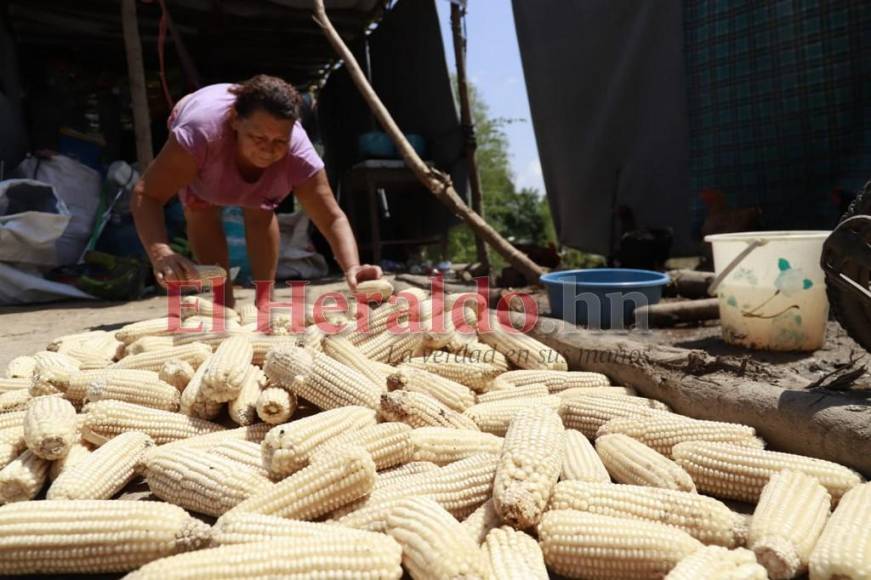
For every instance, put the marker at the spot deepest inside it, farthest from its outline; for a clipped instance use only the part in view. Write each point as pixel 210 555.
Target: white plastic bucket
pixel 774 297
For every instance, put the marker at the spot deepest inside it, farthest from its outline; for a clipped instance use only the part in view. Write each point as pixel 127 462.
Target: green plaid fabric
pixel 779 95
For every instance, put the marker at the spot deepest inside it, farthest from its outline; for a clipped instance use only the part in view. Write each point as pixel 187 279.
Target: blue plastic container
pixel 378 145
pixel 603 297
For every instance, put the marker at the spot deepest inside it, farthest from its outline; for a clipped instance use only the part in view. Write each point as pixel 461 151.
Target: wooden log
pixel 436 181
pixel 136 75
pixel 457 14
pixel 666 314
pixel 688 283
pixel 830 425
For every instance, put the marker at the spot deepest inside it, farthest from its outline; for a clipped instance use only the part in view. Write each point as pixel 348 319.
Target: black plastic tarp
pixel 606 89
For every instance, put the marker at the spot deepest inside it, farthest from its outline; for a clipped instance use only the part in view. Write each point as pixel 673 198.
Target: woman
pixel 238 145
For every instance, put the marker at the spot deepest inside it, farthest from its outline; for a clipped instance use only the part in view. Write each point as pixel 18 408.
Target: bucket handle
pixel 712 289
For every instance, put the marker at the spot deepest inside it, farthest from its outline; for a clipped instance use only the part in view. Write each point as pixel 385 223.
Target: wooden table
pixel 375 174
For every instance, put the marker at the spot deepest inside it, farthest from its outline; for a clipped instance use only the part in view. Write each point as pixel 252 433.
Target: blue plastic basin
pixel 602 297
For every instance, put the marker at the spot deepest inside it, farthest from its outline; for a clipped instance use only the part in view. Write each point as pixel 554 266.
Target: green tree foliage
pixel 521 216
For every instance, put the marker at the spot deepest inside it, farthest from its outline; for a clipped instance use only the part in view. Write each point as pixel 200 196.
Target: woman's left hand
pixel 356 274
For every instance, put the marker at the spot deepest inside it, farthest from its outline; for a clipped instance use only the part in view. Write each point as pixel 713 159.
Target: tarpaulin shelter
pixel 647 104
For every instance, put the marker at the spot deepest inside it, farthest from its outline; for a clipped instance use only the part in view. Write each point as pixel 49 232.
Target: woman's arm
pixel 318 201
pixel 171 170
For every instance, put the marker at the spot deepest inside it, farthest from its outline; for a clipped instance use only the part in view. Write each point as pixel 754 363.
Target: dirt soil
pixel 27 329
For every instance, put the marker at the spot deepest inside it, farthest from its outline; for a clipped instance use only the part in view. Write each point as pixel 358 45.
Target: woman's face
pixel 262 138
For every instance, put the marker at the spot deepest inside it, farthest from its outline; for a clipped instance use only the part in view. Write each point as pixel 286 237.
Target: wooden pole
pixel 436 181
pixel 468 123
pixel 136 74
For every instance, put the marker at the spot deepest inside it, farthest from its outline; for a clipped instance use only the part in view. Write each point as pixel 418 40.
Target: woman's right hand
pixel 169 266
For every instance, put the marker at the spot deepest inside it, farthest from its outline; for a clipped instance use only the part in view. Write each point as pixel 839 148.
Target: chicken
pixel 645 248
pixel 721 219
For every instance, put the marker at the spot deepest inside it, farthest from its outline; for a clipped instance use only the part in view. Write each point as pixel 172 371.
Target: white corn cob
pixel 211 339
pixel 393 347
pixel 226 369
pixel 67 341
pixel 393 313
pixel 196 324
pixel 447 392
pixel 531 391
pixel 154 327
pixel 106 419
pixel 476 375
pixel 206 273
pixel 481 521
pixel 287 447
pixel 434 544
pixel 582 463
pixel 420 410
pixel 844 548
pixel 10 450
pixel 22 479
pixel 580 391
pixel 52 372
pixel 583 545
pixel 199 306
pixel 246 453
pixel 529 466
pixel 155 394
pixel 244 528
pixel 330 385
pixel 787 522
pixel 149 344
pixel 253 433
pixel 286 362
pixel 325 557
pixel 443 445
pixel 704 518
pixel 588 413
pixel 733 472
pixel 89 357
pixel 14 400
pixel 522 350
pixel 665 431
pixel 494 417
pixel 389 444
pixel 103 472
pixel 341 349
pixel 275 405
pixel 50 427
pixel 77 389
pixel 555 381
pixel 193 401
pixel 15 384
pixel 194 353
pixel 207 483
pixel 20 367
pixel 633 462
pixel 374 290
pixel 718 563
pixel 79 451
pixel 262 344
pixel 460 488
pixel 243 409
pixel 248 314
pixel 403 472
pixel 12 419
pixel 93 536
pixel 514 555
pixel 334 480
pixel 176 372
pixel 312 339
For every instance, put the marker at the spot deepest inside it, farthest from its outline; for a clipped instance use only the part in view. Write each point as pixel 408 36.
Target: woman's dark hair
pixel 270 94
